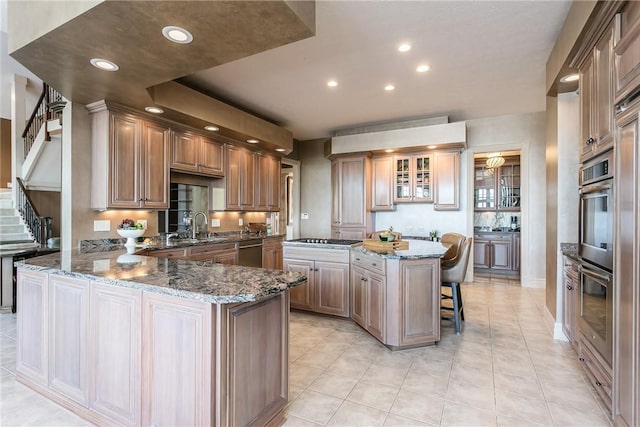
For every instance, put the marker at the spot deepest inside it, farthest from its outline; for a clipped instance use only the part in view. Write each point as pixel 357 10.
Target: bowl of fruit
pixel 131 230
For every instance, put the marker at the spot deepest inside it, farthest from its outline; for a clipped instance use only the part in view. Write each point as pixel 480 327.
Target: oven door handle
pixel 594 275
pixel 595 188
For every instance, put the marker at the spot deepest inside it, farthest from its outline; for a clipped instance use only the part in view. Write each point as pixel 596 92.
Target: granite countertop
pixel 12 252
pixel 570 250
pixel 418 249
pixel 203 281
pixel 319 245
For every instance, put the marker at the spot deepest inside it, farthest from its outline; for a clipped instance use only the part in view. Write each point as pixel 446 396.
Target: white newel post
pixel 18 121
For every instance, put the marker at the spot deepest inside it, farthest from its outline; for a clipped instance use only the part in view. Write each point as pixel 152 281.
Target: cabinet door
pixel 352 192
pixel 481 255
pixel 247 180
pixel 420 299
pixel 501 254
pixel 263 171
pixel 508 187
pixel 626 68
pixel 32 357
pixel 603 105
pixel 272 254
pixel 227 257
pixel 125 161
pixel 348 233
pixel 235 158
pixel 184 151
pixel 516 252
pixel 176 361
pixel 382 186
pixel 403 184
pixel 587 134
pixel 422 178
pixel 273 201
pixel 302 295
pixel 484 189
pixel 211 158
pixel 358 295
pixel 155 166
pixel 446 181
pixel 332 288
pixel 115 346
pixel 376 305
pixel 569 323
pixel 68 337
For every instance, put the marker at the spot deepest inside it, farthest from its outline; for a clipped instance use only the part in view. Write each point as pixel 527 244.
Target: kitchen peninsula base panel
pixel 169 360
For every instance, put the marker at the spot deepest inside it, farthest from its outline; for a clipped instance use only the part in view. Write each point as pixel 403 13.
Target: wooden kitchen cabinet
pixel 413 178
pixel 221 253
pixel 267 183
pixel 571 296
pixel 327 287
pixel 596 98
pixel 239 178
pixel 446 180
pixel 495 251
pixel 368 300
pixel 382 173
pixel 193 153
pixel 351 216
pixel 272 253
pixel 627 60
pixel 136 173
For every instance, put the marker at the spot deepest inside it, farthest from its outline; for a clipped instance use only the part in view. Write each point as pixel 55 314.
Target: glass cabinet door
pixel 509 187
pixel 484 195
pixel 422 174
pixel 403 179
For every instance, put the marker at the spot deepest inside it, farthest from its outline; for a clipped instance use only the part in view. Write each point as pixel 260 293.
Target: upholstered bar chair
pixel 452 273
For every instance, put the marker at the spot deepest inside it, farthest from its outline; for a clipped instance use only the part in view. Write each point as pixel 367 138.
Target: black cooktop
pixel 323 241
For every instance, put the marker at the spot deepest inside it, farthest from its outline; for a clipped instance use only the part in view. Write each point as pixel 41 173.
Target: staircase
pixel 13 232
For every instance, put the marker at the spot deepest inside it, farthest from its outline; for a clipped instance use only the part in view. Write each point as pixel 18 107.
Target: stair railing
pixel 39 226
pixel 48 107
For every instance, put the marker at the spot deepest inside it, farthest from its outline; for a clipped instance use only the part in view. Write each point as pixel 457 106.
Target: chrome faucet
pixel 195 222
pixel 169 236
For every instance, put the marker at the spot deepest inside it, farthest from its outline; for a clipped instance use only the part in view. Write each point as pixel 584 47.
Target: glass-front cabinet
pixel 497 188
pixel 413 178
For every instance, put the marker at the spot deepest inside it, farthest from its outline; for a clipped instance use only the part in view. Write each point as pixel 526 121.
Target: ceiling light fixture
pixel 332 83
pixel 212 128
pixel 104 64
pixel 431 147
pixel 282 150
pixel 154 110
pixel 177 34
pixel 570 78
pixel 388 150
pixel 404 47
pixel 422 68
pixel 495 160
pixel 252 141
pixel 389 87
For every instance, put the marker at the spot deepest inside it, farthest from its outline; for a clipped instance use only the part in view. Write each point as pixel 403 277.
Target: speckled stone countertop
pixel 202 281
pixel 570 250
pixel 418 249
pixel 318 245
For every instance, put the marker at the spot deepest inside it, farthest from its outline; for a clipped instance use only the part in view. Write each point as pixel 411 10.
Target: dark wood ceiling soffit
pixel 129 34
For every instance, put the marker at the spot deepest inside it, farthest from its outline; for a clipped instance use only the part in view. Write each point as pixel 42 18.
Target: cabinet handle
pixel 581 359
pixel 590 140
pixel 362 279
pixel 357 259
pixel 598 383
pixel 374 264
pixel 569 287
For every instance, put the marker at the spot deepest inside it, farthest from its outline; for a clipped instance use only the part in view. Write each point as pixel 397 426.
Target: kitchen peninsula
pixel 135 340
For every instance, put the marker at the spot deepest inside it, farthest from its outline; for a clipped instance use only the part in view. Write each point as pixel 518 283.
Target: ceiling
pixel 487 58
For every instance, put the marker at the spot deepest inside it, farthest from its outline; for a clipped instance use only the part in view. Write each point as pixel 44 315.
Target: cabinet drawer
pixel 570 268
pixel 211 249
pixel 599 375
pixel 317 254
pixel 169 253
pixel 372 263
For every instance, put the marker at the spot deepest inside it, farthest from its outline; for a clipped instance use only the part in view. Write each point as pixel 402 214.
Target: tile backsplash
pixel 494 219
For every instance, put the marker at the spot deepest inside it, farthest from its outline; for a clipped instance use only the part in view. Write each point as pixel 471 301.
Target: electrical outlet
pixel 409 227
pixel 240 222
pixel 304 215
pixel 420 228
pixel 102 225
pixel 143 222
pixel 215 222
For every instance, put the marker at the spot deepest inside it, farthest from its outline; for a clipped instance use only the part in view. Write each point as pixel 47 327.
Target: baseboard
pixel 533 283
pixel 554 328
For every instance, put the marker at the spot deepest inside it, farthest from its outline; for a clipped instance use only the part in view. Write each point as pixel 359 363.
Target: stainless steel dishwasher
pixel 250 253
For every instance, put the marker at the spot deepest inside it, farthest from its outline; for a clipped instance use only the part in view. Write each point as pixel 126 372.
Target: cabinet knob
pixel 374 264
pixel 581 359
pixel 357 259
pixel 590 140
pixel 569 287
pixel 598 383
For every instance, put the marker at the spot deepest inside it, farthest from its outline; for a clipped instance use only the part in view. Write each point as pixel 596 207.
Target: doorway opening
pixel 288 219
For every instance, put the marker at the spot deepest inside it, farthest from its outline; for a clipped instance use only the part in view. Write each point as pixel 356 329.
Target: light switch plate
pixel 240 222
pixel 304 215
pixel 101 265
pixel 102 225
pixel 215 222
pixel 143 222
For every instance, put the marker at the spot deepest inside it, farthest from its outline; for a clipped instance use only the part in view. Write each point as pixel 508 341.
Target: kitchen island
pixel 135 340
pixel 395 296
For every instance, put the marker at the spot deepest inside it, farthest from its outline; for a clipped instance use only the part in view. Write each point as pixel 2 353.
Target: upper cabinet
pixel 267 183
pixel 350 187
pixel 446 181
pixel 413 178
pixel 193 153
pixel 382 173
pixel 596 98
pixel 497 189
pixel 136 173
pixel 627 59
pixel 239 178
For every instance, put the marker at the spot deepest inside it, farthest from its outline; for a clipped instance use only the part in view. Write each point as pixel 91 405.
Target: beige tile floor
pixel 503 370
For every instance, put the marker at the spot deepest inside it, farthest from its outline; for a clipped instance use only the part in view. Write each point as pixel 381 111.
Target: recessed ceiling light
pixel 388 150
pixel 212 128
pixel 389 87
pixel 431 147
pixel 280 149
pixel 252 141
pixel 154 110
pixel 570 78
pixel 404 47
pixel 177 34
pixel 422 68
pixel 332 83
pixel 104 64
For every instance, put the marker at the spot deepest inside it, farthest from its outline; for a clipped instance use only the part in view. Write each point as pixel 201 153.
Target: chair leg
pixel 456 307
pixel 461 307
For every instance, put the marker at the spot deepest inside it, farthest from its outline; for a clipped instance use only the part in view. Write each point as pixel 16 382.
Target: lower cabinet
pixel 368 301
pixel 272 253
pixel 221 253
pixel 598 371
pixel 571 295
pixel 496 251
pixel 327 287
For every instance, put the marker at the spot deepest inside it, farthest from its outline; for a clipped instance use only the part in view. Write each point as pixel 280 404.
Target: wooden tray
pixel 384 247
